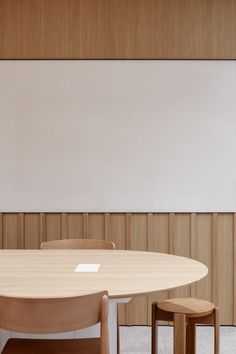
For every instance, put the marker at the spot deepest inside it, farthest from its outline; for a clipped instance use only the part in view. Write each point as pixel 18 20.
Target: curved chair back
pixel 78 244
pixel 54 315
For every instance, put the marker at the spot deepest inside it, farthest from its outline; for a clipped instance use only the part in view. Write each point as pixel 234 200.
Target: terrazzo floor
pixel 137 340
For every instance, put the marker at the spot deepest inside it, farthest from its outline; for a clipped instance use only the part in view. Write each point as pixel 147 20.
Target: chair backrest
pixel 78 244
pixel 53 315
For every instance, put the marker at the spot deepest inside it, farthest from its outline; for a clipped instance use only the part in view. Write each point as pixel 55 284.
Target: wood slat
pixel 128 231
pixel 107 226
pixel 96 226
pixel 215 259
pixel 10 230
pixel 53 226
pixel 116 234
pixel 64 226
pixel 201 250
pixel 117 230
pixel 21 231
pixel 42 227
pixel 181 245
pixel 172 230
pixel 74 225
pixel 193 239
pixel 32 231
pixel 158 241
pixel 137 308
pixel 85 225
pixel 226 267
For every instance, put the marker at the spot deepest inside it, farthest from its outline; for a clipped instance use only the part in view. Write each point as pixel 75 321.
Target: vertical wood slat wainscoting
pixel 207 237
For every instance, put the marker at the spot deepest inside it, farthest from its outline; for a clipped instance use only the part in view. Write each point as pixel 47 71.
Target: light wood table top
pixel 45 274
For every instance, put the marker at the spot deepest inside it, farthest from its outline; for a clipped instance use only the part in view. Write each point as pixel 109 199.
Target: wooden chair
pixel 186 314
pixel 83 244
pixel 78 244
pixel 54 316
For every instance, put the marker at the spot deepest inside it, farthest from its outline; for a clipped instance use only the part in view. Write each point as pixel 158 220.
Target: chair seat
pixel 52 346
pixel 191 307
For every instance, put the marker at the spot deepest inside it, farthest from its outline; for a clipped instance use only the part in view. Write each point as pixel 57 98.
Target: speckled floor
pixel 137 340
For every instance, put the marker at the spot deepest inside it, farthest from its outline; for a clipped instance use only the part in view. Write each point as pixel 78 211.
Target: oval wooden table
pixel 124 274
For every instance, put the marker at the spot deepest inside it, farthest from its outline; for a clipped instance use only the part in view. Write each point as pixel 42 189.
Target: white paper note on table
pixel 87 267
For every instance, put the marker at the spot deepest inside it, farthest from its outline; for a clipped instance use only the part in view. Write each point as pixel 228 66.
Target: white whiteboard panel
pixel 118 135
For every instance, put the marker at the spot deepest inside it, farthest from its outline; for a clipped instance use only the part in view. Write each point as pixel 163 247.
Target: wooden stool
pixel 185 313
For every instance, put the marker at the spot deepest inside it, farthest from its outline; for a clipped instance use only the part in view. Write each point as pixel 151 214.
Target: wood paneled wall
pixel 209 238
pixel 120 29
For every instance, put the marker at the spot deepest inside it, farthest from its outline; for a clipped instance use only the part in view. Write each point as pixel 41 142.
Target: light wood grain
pixel 117 226
pixel 42 316
pixel 64 226
pixel 85 225
pixel 158 241
pixel 179 333
pixel 32 231
pixel 37 274
pixel 42 227
pixel 74 225
pixel 103 29
pixel 84 244
pixel 181 245
pixel 226 265
pixel 53 226
pixel 215 259
pixel 54 315
pixel 201 249
pixel 96 226
pixel 191 307
pixel 117 230
pixel 21 231
pixel 77 244
pixel 137 308
pixel 10 230
pixel 202 231
pixel 186 313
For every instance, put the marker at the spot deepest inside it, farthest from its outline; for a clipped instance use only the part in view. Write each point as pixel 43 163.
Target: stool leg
pixel 217 331
pixel 179 333
pixel 154 328
pixel 191 338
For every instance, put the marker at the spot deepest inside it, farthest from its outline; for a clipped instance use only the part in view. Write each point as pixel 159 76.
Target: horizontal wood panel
pixel 207 237
pixel 108 29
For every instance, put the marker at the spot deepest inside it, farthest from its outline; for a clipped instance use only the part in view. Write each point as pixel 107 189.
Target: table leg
pixel 113 324
pixel 4 336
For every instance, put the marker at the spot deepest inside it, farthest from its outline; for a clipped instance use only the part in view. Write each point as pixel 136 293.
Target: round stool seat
pixel 191 307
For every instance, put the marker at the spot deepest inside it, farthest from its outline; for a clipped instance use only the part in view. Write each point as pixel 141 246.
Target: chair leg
pixel 154 328
pixel 191 338
pixel 179 333
pixel 217 331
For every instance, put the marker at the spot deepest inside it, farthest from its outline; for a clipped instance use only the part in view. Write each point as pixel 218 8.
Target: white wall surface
pixel 118 135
